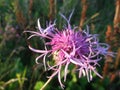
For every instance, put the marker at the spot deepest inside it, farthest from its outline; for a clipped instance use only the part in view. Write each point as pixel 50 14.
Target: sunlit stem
pixel 46 83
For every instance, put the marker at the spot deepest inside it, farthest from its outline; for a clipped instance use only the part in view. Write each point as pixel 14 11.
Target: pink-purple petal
pixel 69 46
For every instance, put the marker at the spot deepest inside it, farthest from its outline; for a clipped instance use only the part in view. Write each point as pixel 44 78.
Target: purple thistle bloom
pixel 70 47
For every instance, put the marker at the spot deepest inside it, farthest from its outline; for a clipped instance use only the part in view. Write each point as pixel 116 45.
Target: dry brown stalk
pixel 52 8
pixel 108 33
pixel 19 14
pixel 105 69
pixel 112 38
pixel 83 13
pixel 117 14
pixel 117 63
pixel 117 32
pixel 30 6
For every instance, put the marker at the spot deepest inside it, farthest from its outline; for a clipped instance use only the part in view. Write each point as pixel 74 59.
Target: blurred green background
pixel 18 70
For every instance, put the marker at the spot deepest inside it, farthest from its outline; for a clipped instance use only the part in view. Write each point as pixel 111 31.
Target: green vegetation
pixel 18 70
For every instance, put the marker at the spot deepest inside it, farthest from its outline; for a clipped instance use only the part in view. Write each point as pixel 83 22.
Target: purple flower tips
pixel 68 46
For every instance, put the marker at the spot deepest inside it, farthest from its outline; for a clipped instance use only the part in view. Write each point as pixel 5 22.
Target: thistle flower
pixel 69 46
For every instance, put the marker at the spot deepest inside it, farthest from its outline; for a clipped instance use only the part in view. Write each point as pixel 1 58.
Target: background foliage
pixel 18 70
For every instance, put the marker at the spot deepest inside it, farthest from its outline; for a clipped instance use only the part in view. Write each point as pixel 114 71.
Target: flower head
pixel 69 46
